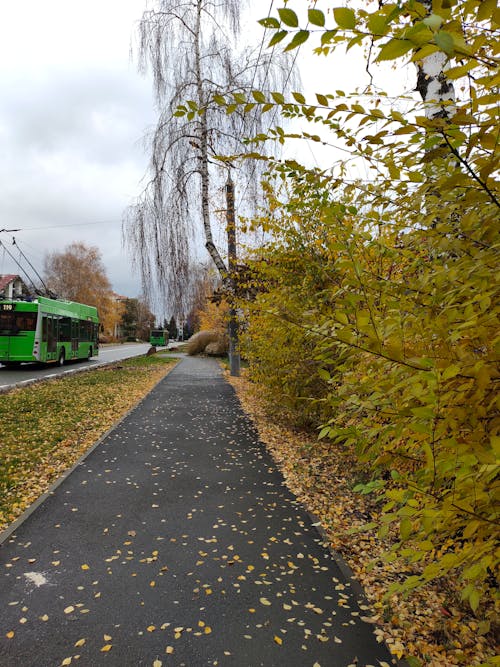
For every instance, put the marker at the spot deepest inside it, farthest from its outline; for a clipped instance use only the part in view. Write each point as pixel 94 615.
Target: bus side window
pixel 65 329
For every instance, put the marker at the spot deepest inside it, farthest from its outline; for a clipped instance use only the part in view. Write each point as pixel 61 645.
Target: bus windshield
pixel 12 323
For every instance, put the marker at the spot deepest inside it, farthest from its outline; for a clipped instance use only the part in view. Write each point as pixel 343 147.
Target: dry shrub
pixel 198 343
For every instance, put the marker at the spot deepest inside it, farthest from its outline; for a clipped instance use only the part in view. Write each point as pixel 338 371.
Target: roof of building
pixel 6 280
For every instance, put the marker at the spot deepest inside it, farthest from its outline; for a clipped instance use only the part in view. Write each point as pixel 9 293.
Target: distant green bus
pixel 47 330
pixel 159 337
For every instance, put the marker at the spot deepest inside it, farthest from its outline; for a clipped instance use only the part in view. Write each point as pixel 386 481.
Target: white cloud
pixel 73 112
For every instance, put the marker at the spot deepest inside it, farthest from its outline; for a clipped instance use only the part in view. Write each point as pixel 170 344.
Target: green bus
pixel 159 337
pixel 47 331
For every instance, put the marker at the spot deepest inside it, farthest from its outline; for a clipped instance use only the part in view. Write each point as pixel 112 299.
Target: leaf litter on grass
pixel 46 427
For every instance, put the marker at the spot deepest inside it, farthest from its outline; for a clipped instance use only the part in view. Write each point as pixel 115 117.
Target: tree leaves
pixel 299 38
pixel 395 48
pixel 345 18
pixel 316 17
pixel 288 17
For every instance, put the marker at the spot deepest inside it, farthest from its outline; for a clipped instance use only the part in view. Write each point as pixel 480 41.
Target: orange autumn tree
pixel 78 274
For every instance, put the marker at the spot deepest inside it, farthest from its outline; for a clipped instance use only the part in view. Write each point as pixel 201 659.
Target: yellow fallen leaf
pixel 80 642
pixel 278 640
pixel 265 602
pixel 208 630
pixel 151 628
pixel 66 661
pixel 44 617
pixel 169 650
pixel 69 609
pixel 85 567
pixel 10 634
pixel 106 648
pixel 157 663
pixel 107 638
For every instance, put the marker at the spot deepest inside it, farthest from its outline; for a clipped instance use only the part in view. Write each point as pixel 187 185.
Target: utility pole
pixel 234 348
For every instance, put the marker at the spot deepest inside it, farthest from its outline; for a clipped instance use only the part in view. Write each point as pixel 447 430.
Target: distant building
pixel 120 302
pixel 13 287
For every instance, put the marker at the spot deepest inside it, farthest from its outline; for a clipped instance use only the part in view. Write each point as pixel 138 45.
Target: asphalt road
pixel 176 541
pixel 28 373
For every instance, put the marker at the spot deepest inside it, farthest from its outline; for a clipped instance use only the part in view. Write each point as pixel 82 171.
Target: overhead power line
pixel 72 224
pixel 2 245
pixel 21 253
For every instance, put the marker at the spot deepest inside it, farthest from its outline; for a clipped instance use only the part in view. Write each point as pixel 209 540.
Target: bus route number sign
pixel 7 306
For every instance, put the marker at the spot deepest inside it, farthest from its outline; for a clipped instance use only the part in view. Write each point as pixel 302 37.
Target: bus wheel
pixel 89 355
pixel 62 358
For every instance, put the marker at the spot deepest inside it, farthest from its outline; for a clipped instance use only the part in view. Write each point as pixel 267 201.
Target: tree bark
pixel 203 166
pixel 435 89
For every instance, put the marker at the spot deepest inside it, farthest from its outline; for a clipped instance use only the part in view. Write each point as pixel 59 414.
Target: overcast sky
pixel 73 112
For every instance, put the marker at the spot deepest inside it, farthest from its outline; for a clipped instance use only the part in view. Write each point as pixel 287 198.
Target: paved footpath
pixel 176 541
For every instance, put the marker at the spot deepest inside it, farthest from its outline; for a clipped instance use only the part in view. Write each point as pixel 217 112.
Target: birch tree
pixel 191 49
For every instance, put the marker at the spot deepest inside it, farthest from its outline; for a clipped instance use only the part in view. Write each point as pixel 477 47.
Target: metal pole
pixel 234 348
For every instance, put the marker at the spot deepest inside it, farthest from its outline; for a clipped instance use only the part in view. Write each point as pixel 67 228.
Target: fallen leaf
pixel 69 609
pixel 106 648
